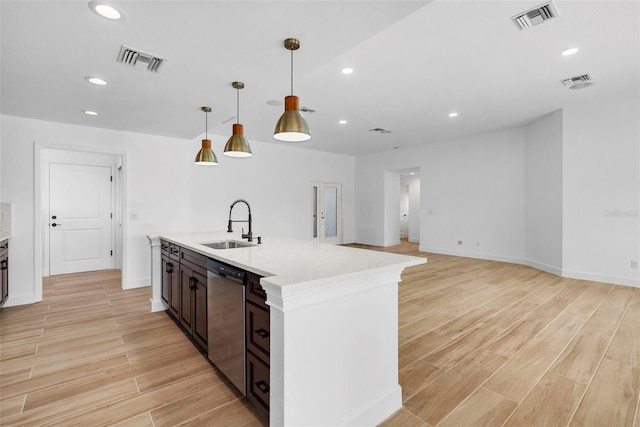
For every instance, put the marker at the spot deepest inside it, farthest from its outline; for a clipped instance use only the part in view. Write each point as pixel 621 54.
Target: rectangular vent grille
pixel 380 130
pixel 535 16
pixel 141 60
pixel 583 80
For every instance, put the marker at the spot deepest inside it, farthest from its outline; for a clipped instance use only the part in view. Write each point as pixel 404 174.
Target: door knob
pixel 54 217
pixel 55 225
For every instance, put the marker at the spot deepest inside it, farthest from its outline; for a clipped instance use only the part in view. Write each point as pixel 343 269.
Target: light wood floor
pixel 480 343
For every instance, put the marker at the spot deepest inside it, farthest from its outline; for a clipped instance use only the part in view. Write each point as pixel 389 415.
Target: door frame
pixel 43 153
pixel 319 203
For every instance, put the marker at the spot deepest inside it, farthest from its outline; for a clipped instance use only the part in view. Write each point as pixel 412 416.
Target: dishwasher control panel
pixel 225 270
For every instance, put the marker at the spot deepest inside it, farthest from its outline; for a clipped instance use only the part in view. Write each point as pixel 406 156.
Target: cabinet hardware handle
pixel 263 387
pixel 55 225
pixel 169 268
pixel 193 283
pixel 4 264
pixel 174 250
pixel 262 332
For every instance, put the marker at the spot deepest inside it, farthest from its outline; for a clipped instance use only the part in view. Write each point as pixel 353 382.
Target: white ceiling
pixel 414 61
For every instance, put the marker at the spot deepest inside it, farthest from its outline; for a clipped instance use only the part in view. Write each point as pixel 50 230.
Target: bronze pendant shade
pixel 237 145
pixel 292 127
pixel 206 156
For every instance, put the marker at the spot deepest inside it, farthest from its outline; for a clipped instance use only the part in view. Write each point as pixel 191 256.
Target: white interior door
pixel 81 224
pixel 328 212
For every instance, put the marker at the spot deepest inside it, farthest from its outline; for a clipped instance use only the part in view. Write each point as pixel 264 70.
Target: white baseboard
pixel 392 243
pixel 20 299
pixel 544 267
pixel 377 410
pixel 477 255
pixel 157 305
pixel 137 283
pixel 615 280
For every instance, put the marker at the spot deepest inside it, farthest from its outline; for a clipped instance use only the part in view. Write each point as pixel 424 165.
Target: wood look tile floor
pixel 481 343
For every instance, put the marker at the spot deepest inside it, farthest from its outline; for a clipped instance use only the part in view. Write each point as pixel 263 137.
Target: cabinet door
pixel 175 296
pixel 167 270
pixel 187 297
pixel 4 268
pixel 200 331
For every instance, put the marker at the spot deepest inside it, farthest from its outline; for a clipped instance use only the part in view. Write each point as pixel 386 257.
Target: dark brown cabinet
pixel 184 289
pixel 193 291
pixel 170 276
pixel 4 271
pixel 257 336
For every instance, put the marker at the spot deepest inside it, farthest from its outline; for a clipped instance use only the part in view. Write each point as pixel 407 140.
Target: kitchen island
pixel 334 325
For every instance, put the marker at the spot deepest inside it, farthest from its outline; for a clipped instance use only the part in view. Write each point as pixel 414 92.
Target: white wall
pixel 167 191
pixel 391 195
pixel 277 183
pixel 601 174
pixel 543 194
pixel 473 187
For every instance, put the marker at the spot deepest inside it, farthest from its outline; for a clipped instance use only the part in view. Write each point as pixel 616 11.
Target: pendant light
pixel 237 145
pixel 292 126
pixel 206 156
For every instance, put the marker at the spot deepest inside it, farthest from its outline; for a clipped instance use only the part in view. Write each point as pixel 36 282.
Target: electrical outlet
pixel 634 265
pixel 459 242
pixel 134 216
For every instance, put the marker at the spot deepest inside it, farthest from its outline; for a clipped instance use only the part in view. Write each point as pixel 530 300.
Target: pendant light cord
pixel 206 125
pixel 237 105
pixel 291 72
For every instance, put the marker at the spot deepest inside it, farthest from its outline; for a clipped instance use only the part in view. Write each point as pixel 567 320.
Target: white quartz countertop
pixel 292 264
pixel 4 236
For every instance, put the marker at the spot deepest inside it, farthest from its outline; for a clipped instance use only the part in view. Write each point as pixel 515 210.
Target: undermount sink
pixel 227 244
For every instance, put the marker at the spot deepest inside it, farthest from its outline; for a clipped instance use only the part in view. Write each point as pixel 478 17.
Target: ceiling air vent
pixel 379 130
pixel 578 82
pixel 307 110
pixel 141 60
pixel 535 16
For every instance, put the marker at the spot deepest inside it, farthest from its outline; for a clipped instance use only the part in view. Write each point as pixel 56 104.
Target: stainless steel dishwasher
pixel 225 315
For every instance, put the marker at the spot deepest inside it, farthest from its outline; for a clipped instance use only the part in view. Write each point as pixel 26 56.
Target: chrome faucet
pixel 249 235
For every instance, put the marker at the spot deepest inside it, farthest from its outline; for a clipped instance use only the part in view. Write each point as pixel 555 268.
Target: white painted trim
pixel 121 206
pixel 317 294
pixel 543 267
pixel 392 243
pixel 477 255
pixel 377 409
pixel 157 305
pixel 572 274
pixel 615 280
pixel 137 283
pixel 21 299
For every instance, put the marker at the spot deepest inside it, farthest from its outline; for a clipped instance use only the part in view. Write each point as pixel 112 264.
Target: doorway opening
pixel 326 222
pixel 401 206
pixel 82 193
pixel 410 205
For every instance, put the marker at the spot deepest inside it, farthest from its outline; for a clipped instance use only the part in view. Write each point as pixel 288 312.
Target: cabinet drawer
pixel 4 246
pixel 258 382
pixel 174 251
pixel 194 260
pixel 258 330
pixel 164 247
pixel 255 292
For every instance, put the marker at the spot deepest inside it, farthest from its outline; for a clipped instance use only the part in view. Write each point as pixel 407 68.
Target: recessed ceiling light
pixel 275 102
pixel 569 51
pixel 106 10
pixel 342 122
pixel 90 113
pixel 347 70
pixel 454 114
pixel 95 80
